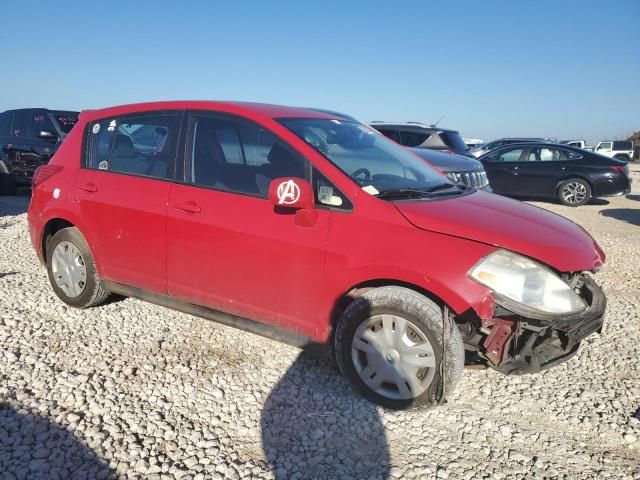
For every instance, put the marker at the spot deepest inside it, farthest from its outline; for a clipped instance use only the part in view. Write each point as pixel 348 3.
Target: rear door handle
pixel 190 207
pixel 88 187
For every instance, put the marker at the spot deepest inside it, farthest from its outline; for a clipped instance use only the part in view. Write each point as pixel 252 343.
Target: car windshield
pixel 368 157
pixel 66 120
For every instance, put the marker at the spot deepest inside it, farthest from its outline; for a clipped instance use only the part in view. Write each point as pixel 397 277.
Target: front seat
pixel 281 163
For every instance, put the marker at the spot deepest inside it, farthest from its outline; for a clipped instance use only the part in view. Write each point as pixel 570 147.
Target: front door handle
pixel 88 187
pixel 190 207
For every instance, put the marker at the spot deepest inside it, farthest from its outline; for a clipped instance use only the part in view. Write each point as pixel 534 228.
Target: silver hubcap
pixel 574 192
pixel 69 270
pixel 393 357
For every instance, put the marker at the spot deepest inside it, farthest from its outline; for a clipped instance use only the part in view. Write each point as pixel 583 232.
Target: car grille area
pixel 474 179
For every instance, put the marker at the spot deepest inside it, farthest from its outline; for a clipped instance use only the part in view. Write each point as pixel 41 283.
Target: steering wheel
pixel 360 171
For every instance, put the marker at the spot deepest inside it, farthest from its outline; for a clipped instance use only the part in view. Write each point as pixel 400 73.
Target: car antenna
pixel 434 125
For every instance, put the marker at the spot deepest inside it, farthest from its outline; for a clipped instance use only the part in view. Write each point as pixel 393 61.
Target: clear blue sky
pixel 494 68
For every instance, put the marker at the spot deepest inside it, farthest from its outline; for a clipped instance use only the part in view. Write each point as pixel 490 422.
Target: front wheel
pixel 72 271
pixel 574 192
pixel 390 344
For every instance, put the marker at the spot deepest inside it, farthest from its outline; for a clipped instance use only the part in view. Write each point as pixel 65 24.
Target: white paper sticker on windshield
pixel 112 126
pixel 96 128
pixel 371 190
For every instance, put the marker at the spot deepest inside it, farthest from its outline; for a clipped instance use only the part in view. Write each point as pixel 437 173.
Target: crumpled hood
pixel 508 224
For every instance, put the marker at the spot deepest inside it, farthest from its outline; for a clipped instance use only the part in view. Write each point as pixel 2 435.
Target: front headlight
pixel 527 283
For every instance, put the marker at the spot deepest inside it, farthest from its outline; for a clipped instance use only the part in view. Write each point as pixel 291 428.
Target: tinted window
pixel 507 155
pixel 454 140
pixel 238 156
pixel 392 134
pixel 413 139
pixel 40 121
pixel 546 154
pixel 622 145
pixel 139 145
pixel 368 158
pixel 66 120
pixel 21 123
pixel 5 124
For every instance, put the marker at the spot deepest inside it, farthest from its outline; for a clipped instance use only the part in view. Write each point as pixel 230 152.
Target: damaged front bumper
pixel 517 345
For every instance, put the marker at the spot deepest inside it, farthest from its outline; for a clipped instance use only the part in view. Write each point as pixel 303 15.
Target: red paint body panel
pixel 509 224
pixel 241 255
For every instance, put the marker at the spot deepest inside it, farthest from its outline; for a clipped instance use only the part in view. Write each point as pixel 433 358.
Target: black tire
pixel 424 314
pixel 571 184
pixel 93 293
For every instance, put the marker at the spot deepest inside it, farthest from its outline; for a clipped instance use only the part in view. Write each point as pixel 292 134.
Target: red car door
pixel 122 192
pixel 228 247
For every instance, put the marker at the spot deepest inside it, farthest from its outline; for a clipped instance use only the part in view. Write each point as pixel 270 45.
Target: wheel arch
pixel 50 228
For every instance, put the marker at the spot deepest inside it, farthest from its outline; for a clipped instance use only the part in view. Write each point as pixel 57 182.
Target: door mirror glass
pixel 291 192
pixel 47 135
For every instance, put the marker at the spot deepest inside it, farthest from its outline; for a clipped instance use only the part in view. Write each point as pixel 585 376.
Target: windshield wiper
pixel 427 192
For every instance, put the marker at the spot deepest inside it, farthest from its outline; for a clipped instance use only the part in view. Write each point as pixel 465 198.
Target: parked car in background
pixel 578 144
pixel 417 135
pixel 487 147
pixel 28 138
pixel 571 175
pixel 309 228
pixel 620 149
pixel 473 142
pixel 459 169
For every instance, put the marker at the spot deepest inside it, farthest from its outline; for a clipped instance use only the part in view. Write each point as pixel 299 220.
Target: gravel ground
pixel 133 390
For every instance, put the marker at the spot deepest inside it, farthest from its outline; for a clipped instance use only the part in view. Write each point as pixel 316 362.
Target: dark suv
pixel 28 138
pixel 414 134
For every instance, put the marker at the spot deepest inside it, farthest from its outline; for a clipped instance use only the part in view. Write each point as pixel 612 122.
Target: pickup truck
pixel 578 143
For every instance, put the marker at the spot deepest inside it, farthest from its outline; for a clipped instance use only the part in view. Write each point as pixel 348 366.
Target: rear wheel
pixel 72 271
pixel 389 345
pixel 574 192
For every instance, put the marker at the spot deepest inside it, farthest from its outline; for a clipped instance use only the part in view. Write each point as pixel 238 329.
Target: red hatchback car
pixel 311 228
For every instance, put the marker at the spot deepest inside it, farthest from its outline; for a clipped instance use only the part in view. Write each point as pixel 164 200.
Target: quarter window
pixel 239 156
pixel 327 195
pixel 413 139
pixel 138 145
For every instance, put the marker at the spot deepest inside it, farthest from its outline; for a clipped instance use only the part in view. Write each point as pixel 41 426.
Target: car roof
pixel 541 143
pixel 411 126
pixel 241 108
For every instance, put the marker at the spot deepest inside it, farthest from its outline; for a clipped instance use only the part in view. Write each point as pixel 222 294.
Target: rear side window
pixel 622 145
pixel 238 156
pixel 66 120
pixel 5 123
pixel 142 145
pixel 548 154
pixel 40 122
pixel 413 139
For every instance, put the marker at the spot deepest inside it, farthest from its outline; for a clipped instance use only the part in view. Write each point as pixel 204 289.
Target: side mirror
pixel 291 192
pixel 47 135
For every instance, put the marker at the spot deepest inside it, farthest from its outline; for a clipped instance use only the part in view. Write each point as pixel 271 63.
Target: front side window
pixel 605 146
pixel 138 145
pixel 40 122
pixel 512 155
pixel 21 124
pixel 370 159
pixel 5 123
pixel 239 156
